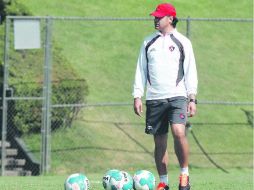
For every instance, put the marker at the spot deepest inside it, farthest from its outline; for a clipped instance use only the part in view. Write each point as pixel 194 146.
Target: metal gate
pixel 42 98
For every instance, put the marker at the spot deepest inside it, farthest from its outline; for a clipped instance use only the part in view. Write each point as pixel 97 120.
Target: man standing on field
pixel 166 67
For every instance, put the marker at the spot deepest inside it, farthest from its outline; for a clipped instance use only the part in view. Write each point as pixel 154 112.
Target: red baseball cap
pixel 164 9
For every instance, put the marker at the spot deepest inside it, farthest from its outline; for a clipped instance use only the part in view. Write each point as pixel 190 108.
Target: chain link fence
pixel 69 103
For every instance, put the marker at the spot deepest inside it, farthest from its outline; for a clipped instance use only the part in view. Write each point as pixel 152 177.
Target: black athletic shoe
pixel 184 183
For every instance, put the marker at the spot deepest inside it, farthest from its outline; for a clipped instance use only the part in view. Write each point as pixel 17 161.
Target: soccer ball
pixel 106 178
pixel 77 181
pixel 117 180
pixel 143 180
pixel 128 181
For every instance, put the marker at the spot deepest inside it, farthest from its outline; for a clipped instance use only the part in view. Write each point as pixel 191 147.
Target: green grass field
pixel 105 53
pixel 236 179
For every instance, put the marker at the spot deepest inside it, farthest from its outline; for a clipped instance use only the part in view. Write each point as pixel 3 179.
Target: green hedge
pixel 12 7
pixel 67 88
pixel 26 115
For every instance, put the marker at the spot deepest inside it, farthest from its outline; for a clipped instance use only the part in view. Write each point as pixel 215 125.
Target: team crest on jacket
pixel 171 48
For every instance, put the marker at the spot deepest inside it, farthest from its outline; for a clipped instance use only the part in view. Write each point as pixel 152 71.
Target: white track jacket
pixel 166 67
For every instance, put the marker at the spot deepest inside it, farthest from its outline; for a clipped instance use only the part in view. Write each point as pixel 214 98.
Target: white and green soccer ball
pixel 143 180
pixel 117 180
pixel 106 178
pixel 127 181
pixel 77 181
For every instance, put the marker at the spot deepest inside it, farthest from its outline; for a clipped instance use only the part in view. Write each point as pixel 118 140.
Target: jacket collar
pixel 172 32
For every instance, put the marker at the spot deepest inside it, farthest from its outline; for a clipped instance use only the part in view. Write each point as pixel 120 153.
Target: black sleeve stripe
pixel 146 50
pixel 181 60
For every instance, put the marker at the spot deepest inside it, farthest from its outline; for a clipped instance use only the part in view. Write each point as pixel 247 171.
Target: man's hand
pixel 138 106
pixel 191 109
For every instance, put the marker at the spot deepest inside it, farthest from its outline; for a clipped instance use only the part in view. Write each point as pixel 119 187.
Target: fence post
pixel 4 101
pixel 188 29
pixel 46 111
